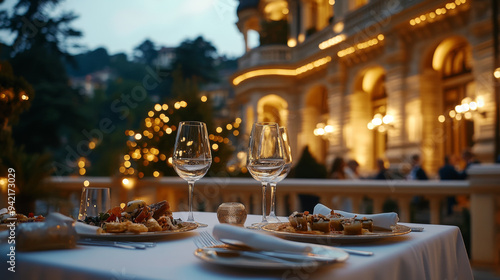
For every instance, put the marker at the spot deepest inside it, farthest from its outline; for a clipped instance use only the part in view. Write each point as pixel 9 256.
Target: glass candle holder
pixel 233 213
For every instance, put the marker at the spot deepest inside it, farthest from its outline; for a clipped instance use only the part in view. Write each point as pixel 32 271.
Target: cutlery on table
pixel 117 244
pixel 242 246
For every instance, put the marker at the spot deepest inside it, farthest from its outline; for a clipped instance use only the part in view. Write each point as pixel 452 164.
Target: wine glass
pixel 192 157
pixel 287 155
pixel 265 158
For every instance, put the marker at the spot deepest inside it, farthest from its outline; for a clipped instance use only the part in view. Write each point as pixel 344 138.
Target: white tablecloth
pixel 436 253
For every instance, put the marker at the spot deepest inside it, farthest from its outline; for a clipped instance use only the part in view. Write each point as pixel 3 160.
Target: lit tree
pixel 150 149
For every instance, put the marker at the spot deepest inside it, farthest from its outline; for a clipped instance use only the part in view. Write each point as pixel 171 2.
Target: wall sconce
pixel 467 108
pixel 381 123
pixel 323 130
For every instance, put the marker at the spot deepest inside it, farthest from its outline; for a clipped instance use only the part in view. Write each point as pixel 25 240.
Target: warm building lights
pixel 436 13
pixel 282 72
pixel 381 123
pixel 465 109
pixel 363 45
pixel 332 41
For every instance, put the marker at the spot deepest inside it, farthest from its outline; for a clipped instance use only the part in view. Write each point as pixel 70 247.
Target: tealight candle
pixel 233 213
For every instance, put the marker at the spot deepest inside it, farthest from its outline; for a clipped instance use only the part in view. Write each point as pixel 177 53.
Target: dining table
pixel 436 252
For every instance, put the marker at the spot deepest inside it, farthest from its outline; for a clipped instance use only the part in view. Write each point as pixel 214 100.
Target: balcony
pixel 265 55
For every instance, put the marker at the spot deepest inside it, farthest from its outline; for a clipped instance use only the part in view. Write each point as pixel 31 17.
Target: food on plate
pixel 334 223
pixel 299 220
pixel 136 217
pixel 6 218
pixel 367 224
pixel 320 223
pixel 352 227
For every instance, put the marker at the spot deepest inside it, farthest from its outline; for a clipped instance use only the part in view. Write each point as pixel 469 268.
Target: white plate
pixel 187 226
pixel 334 255
pixel 331 238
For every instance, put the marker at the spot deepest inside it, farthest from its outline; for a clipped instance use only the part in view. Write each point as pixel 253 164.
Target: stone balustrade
pixel 265 55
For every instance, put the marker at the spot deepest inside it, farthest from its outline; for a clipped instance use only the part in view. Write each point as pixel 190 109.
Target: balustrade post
pixel 404 208
pixel 485 210
pixel 356 203
pixel 435 208
pixel 280 205
pixel 378 203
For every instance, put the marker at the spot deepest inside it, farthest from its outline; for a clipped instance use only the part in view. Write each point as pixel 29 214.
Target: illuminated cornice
pixel 331 42
pixel 363 45
pixel 431 16
pixel 281 71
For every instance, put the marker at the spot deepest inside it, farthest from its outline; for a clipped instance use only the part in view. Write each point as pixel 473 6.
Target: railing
pixel 265 55
pixel 482 190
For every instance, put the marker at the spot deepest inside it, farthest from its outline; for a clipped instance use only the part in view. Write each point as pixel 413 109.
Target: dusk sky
pixel 119 26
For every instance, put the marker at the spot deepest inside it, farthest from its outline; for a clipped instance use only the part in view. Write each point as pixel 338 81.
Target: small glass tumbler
pixel 94 201
pixel 233 213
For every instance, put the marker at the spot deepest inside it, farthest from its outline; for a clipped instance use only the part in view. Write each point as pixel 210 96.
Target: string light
pixel 363 45
pixel 431 16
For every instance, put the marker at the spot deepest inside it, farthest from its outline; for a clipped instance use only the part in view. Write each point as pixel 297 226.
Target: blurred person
pixel 383 172
pixel 417 172
pixel 469 159
pixel 351 169
pixel 448 170
pixel 337 170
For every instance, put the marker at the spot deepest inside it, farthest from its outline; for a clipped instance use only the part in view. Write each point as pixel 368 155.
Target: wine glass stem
pixel 190 201
pixel 272 212
pixel 264 185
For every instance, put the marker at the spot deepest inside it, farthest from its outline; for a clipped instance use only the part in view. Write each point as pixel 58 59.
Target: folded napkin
pixel 382 220
pixel 259 240
pixel 80 228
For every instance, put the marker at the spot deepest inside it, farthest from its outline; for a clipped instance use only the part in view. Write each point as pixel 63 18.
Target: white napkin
pixel 259 240
pixel 80 228
pixel 382 220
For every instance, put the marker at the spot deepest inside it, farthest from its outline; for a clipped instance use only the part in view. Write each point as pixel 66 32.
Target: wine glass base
pixel 257 225
pixel 273 219
pixel 199 224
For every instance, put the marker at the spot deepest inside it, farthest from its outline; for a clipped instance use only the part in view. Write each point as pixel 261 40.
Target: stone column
pixel 484 125
pixel 431 108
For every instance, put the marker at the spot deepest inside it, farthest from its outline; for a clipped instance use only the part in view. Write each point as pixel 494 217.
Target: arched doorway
pixel 368 101
pixel 273 108
pixel 315 111
pixel 452 59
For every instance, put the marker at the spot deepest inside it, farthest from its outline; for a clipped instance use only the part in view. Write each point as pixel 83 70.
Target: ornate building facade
pixel 371 79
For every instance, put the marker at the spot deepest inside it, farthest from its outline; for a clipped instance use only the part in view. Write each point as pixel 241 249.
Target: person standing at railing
pixel 469 159
pixel 448 170
pixel 337 170
pixel 351 170
pixel 383 172
pixel 417 172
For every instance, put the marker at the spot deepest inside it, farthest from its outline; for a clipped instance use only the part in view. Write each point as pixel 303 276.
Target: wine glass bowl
pixel 265 159
pixel 287 156
pixel 192 157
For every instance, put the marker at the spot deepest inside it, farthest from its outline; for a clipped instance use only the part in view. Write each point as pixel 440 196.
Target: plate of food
pixel 333 228
pixel 319 256
pixel 136 219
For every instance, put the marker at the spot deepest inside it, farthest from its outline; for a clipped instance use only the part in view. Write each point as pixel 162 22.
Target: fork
pixel 206 240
